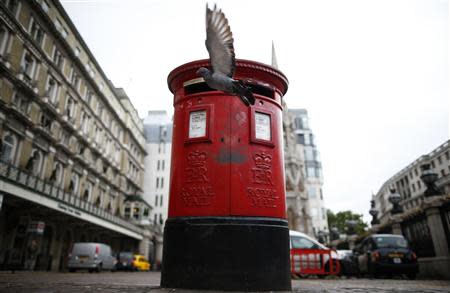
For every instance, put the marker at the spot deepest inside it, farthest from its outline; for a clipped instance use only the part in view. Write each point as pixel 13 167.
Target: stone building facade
pixel 158 136
pixel 297 204
pixel 312 170
pixel 424 217
pixel 72 145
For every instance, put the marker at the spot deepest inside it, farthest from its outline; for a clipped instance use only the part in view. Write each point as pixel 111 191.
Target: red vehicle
pixel 309 257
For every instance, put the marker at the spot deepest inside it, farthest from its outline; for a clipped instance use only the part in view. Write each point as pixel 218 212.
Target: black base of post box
pixel 226 253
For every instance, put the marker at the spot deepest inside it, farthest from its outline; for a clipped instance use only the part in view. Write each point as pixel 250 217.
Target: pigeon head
pixel 204 72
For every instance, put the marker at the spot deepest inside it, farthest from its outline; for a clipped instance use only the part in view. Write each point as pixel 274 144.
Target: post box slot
pixel 261 90
pixel 201 87
pixel 196 88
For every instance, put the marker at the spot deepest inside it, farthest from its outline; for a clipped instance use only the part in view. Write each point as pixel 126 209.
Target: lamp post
pixel 321 236
pixel 373 212
pixel 394 199
pixel 429 178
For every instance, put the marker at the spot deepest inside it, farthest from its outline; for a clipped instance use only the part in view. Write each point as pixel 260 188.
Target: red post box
pixel 227 227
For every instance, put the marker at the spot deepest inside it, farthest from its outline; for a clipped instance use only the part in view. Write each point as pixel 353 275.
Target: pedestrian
pixel 31 253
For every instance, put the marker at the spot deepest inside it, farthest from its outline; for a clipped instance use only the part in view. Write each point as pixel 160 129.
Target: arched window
pixel 73 185
pixel 56 175
pixel 87 192
pixel 8 148
pixel 34 163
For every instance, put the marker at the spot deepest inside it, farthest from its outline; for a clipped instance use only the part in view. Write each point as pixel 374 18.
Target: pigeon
pixel 219 42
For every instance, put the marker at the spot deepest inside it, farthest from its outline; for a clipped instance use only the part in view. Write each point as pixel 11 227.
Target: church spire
pixel 274 57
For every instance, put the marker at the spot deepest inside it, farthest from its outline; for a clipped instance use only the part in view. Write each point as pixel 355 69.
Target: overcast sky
pixel 373 75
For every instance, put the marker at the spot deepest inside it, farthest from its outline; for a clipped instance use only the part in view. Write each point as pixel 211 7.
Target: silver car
pixel 91 256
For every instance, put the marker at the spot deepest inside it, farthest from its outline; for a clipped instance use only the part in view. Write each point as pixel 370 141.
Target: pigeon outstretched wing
pixel 219 42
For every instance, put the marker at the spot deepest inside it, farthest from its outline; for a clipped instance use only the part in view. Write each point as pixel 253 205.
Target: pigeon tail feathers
pixel 243 92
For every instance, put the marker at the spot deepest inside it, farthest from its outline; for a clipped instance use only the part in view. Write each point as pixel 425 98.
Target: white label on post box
pixel 262 126
pixel 197 124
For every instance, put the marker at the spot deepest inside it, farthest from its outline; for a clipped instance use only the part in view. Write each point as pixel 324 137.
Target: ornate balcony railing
pixel 24 179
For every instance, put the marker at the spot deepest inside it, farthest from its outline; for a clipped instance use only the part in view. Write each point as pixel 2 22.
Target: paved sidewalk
pixel 141 282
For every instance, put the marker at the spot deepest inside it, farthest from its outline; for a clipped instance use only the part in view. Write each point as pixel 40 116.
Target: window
pixel 301 138
pixel 447 155
pixel 314 212
pixel 432 164
pixel 161 219
pixel 312 192
pixel 413 187
pixel 127 212
pixel 324 214
pixel 156 200
pixel 70 106
pixel 157 182
pixel 45 122
pixel 21 103
pixel 4 40
pixel 307 142
pixel 74 78
pixel 57 57
pixel 28 66
pixel 65 137
pixel 419 186
pixel 56 175
pixel 301 242
pixel 36 32
pixel 310 172
pixel 443 173
pixel 8 147
pixel 52 89
pixel 321 194
pixel 309 154
pixel 85 122
pixel 87 192
pixel 311 139
pixel 161 200
pixel 73 185
pixel 11 5
pixel 157 165
pixel 298 123
pixel 439 160
pixel 61 28
pixel 162 182
pixel 34 163
pixel 162 167
pixel 45 6
pixel 88 97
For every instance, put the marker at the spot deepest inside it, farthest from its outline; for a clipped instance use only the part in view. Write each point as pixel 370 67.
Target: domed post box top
pixel 263 79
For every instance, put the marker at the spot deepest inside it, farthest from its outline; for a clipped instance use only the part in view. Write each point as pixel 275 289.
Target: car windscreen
pixel 301 242
pixel 390 242
pixel 125 255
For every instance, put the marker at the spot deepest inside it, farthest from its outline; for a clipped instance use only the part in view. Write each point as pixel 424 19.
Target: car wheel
pixel 90 270
pixel 411 276
pixel 99 268
pixel 72 270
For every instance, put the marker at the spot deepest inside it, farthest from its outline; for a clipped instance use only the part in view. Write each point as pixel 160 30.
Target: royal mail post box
pixel 227 227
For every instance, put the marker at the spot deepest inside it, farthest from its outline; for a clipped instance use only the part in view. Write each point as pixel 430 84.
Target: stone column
pixel 437 231
pixel 144 244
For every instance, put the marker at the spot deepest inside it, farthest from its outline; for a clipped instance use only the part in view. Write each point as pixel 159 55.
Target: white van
pixel 91 256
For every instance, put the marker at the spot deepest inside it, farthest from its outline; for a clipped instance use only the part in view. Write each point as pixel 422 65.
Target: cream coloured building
pixel 72 145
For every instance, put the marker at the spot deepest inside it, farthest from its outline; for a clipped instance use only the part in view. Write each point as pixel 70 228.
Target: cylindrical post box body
pixel 227 227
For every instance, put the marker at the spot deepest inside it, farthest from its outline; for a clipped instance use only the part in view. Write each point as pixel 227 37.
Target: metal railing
pixel 25 179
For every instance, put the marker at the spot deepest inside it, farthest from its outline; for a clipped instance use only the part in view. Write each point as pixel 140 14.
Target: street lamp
pixel 373 212
pixel 321 236
pixel 429 178
pixel 394 199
